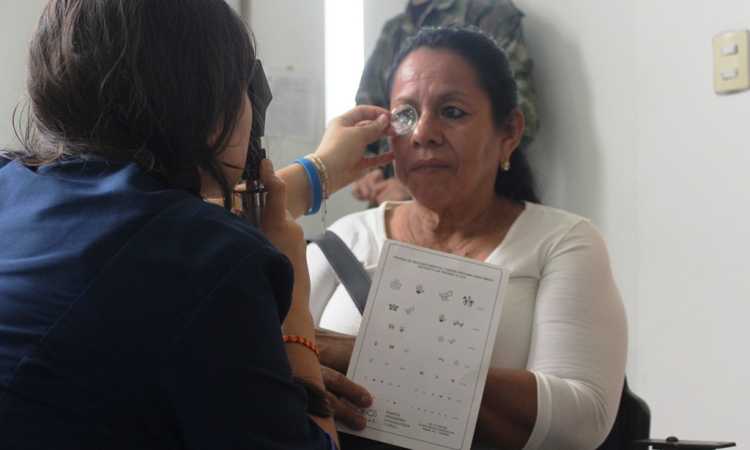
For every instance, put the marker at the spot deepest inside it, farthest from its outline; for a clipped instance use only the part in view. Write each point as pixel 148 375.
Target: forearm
pixel 335 348
pixel 299 190
pixel 509 408
pixel 305 364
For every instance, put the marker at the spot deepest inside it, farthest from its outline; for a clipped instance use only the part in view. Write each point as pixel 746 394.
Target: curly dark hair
pixel 155 82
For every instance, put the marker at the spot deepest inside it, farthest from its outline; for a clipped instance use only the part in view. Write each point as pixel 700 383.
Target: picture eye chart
pixel 424 346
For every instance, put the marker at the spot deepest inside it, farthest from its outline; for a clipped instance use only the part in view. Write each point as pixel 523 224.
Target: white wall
pixel 634 137
pixel 17 21
pixel 692 197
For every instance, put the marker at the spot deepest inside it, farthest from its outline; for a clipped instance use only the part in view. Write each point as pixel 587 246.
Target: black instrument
pixel 254 196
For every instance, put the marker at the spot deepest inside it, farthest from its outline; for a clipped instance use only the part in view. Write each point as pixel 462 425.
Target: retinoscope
pixel 254 196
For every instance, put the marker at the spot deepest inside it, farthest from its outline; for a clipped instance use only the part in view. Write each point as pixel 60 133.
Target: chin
pixel 434 200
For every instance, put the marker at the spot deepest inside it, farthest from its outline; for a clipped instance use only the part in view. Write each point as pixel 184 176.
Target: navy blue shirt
pixel 134 317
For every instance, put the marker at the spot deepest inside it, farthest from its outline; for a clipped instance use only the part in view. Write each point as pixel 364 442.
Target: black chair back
pixel 633 422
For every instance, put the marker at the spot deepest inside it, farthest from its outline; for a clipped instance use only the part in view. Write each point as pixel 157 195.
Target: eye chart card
pixel 424 346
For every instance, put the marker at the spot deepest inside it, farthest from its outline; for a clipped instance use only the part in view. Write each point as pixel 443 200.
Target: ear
pixel 512 133
pixel 214 136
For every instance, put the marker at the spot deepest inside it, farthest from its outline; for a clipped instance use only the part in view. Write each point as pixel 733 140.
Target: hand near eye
pixel 342 152
pixel 343 146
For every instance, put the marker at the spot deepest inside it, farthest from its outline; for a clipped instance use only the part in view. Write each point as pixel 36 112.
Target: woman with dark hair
pixel 134 314
pixel 558 363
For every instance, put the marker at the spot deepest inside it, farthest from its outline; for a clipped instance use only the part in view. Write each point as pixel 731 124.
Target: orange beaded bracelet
pixel 303 341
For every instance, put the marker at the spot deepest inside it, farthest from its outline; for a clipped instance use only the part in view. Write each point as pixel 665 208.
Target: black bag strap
pixel 345 264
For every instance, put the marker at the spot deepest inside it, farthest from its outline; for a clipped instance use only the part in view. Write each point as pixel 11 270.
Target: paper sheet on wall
pixel 424 346
pixel 293 112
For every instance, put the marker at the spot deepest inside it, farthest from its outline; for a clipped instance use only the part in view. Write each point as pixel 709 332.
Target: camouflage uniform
pixel 498 18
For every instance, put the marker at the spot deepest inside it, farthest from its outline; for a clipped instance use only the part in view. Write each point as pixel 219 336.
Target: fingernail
pixel 359 422
pixel 365 400
pixel 267 165
pixel 383 119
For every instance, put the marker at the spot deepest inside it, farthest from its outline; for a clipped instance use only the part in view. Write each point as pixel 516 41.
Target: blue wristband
pixel 312 174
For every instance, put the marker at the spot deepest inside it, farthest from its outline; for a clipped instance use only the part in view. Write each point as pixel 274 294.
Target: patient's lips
pixel 427 165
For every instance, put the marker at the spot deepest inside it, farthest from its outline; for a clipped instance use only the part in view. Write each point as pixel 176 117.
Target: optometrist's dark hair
pixel 156 82
pixel 495 76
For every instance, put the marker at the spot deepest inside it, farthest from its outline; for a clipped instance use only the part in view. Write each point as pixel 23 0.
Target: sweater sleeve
pixel 226 378
pixel 323 281
pixel 579 343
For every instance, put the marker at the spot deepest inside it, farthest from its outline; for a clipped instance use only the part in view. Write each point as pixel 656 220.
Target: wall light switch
pixel 731 62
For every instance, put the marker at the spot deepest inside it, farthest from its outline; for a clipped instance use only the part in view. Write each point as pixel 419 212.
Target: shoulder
pixel 546 228
pixel 213 235
pixel 551 216
pixel 505 7
pixel 194 247
pixel 364 232
pixel 185 239
pixel 489 15
pixel 178 221
pixel 359 231
pixel 393 24
pixel 357 224
pixel 193 260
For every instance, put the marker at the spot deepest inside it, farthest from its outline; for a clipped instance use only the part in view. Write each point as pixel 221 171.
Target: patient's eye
pixel 453 113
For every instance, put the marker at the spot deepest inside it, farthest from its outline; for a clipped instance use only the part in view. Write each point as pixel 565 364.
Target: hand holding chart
pixel 424 346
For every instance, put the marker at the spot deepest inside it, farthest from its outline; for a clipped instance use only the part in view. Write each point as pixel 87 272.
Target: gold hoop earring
pixel 505 166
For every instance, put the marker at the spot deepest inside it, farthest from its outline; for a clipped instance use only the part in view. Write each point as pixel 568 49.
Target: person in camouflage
pixel 498 18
